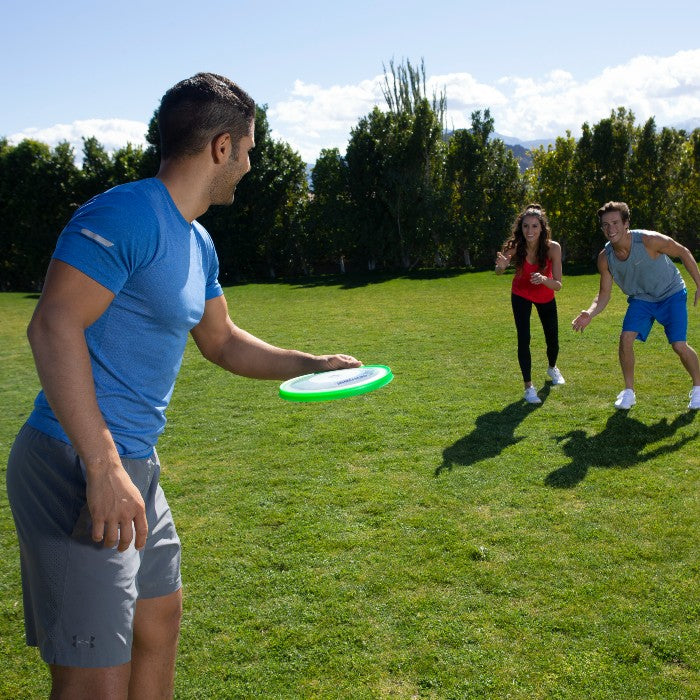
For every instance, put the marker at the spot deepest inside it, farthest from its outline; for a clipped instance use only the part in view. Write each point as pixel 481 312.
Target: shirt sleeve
pixel 213 288
pixel 109 238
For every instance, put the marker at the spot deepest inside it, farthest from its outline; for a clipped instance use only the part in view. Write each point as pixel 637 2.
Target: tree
pixel 282 243
pixel 412 165
pixel 370 219
pixel 393 162
pixel 96 173
pixel 485 189
pixel 690 216
pixel 329 208
pixel 264 227
pixel 127 163
pixel 37 195
pixel 505 195
pixel 552 183
pixel 611 143
pixel 601 165
pixel 150 161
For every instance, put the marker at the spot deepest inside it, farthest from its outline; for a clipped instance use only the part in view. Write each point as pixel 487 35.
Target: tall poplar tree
pixel 394 169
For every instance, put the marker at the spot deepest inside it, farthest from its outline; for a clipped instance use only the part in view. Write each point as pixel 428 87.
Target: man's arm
pixel 236 350
pixel 602 298
pixel 659 243
pixel 69 303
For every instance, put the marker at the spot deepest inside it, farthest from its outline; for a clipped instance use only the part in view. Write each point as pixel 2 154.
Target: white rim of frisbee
pixel 336 384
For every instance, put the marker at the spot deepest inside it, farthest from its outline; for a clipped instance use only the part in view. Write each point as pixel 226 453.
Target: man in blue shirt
pixel 640 263
pixel 133 274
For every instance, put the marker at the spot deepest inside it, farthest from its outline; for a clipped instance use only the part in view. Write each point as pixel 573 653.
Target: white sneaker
pixel 694 398
pixel 626 399
pixel 531 395
pixel 555 376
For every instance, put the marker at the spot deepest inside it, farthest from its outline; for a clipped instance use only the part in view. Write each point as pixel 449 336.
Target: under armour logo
pixel 80 642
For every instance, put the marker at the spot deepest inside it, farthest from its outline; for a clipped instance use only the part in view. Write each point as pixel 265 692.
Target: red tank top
pixel 534 292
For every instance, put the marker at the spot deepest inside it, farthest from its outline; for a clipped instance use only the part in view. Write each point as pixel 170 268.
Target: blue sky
pixel 76 68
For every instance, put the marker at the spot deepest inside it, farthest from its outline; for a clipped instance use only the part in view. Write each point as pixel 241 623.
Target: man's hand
pixel 116 508
pixel 329 362
pixel 581 321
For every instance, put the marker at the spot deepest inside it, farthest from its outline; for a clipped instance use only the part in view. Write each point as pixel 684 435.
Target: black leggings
pixel 522 308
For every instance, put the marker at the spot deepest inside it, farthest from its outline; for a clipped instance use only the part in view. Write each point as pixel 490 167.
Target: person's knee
pixel 627 341
pixel 171 614
pixel 157 620
pixel 680 347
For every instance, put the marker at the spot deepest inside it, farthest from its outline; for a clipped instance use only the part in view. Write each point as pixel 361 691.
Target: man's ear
pixel 221 148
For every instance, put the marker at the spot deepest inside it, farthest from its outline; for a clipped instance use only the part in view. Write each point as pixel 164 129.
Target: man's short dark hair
pixel 199 108
pixel 615 206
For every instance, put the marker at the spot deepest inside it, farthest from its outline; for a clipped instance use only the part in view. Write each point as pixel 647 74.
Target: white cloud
pixel 667 88
pixel 111 133
pixel 464 95
pixel 315 117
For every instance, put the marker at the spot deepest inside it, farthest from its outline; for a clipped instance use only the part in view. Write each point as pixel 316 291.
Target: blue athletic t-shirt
pixel 134 241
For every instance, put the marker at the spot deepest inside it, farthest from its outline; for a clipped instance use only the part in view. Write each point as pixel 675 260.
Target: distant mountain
pixel 521 149
pixel 527 145
pixel 522 155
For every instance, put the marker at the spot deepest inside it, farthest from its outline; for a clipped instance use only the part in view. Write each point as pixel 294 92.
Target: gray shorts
pixel 80 597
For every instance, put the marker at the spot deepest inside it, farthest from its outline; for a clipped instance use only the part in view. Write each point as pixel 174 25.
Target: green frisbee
pixel 336 384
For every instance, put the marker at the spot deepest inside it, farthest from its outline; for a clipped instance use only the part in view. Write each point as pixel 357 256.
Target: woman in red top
pixel 537 260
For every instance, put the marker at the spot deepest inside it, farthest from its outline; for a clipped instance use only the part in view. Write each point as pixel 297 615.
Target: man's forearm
pixel 691 266
pixel 598 304
pixel 248 356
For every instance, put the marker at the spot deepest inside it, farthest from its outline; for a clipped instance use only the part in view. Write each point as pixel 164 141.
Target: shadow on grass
pixel 366 278
pixel 354 280
pixel 494 432
pixel 618 445
pixel 359 279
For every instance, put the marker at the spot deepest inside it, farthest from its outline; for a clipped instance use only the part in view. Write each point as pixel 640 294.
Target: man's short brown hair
pixel 615 206
pixel 200 108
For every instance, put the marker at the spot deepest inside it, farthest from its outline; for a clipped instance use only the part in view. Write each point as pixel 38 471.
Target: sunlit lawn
pixel 437 538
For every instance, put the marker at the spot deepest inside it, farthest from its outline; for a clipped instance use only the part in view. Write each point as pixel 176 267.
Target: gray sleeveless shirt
pixel 642 277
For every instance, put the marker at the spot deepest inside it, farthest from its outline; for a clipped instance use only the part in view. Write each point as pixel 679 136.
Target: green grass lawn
pixel 437 538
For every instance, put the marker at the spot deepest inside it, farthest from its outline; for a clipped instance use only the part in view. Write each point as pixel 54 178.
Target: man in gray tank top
pixel 639 262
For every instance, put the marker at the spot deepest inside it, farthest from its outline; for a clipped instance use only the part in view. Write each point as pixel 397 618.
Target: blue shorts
pixel 80 597
pixel 671 313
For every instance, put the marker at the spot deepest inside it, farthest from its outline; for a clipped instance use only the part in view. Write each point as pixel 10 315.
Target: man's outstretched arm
pixel 222 342
pixel 601 299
